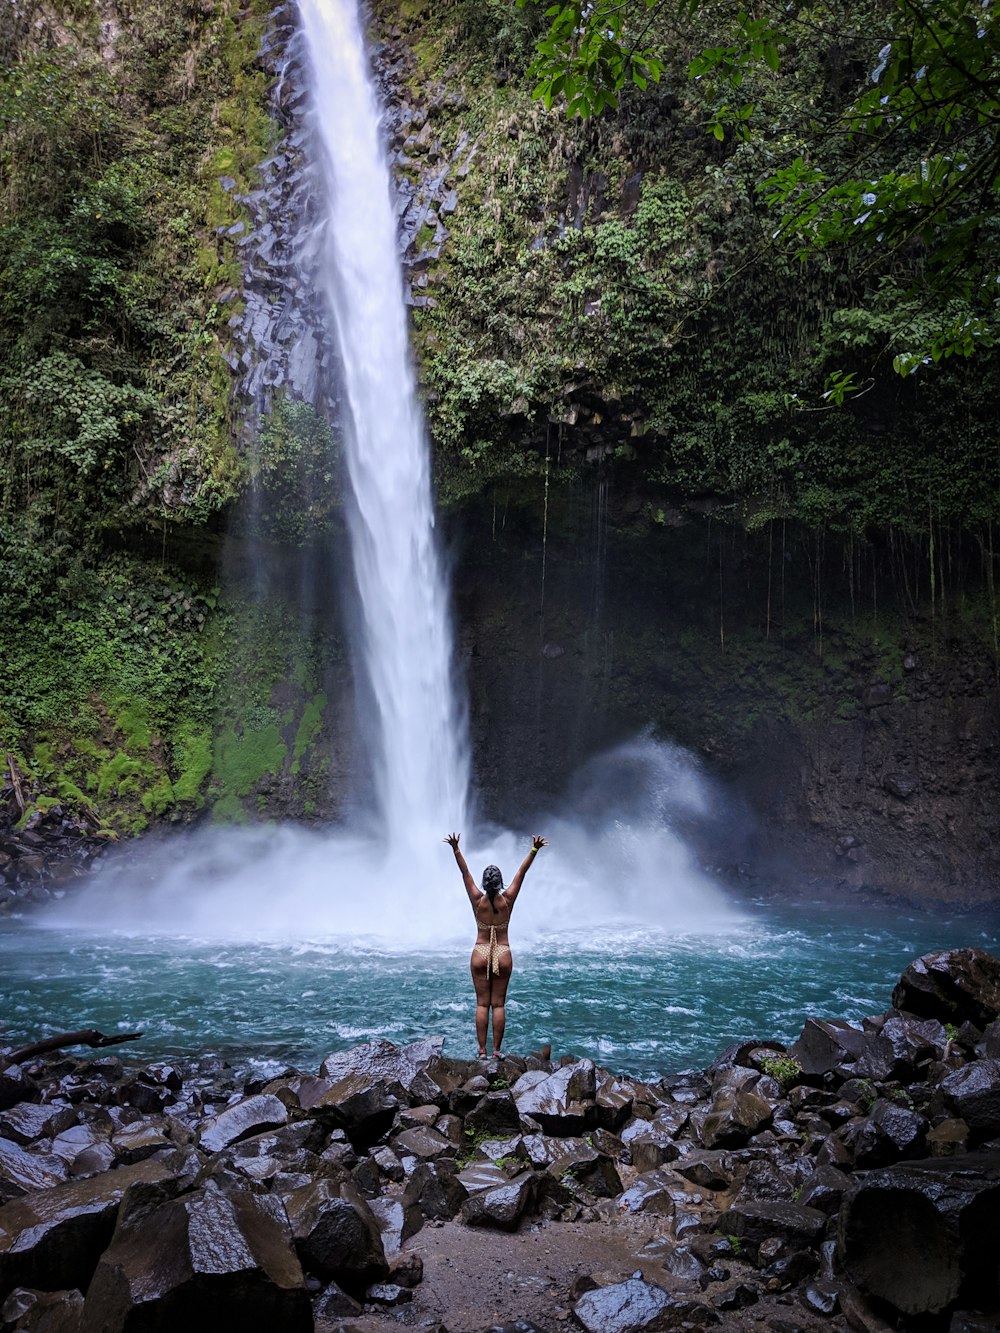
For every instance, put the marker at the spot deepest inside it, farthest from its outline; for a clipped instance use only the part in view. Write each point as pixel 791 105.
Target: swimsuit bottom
pixel 491 952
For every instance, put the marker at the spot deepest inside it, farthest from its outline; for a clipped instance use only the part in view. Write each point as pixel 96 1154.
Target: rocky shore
pixel 851 1181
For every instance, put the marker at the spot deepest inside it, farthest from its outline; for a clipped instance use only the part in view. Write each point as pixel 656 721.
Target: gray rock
pixel 708 1169
pixel 824 1189
pixel 820 1298
pixel 650 1193
pixel 388 1293
pixel 560 1101
pixel 422 1142
pixel 207 1258
pixel 494 1116
pixel 612 1104
pixel 652 1149
pixel 736 1112
pixel 251 1116
pixel 334 1304
pixel 763 1179
pixel 364 1107
pixel 15 1087
pixel 380 1061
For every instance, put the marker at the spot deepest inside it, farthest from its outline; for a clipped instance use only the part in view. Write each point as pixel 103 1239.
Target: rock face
pixel 270 1204
pixel 922 1236
pixel 55 1238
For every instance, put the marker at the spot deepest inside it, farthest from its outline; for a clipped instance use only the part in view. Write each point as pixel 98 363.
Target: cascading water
pixel 612 869
pixel 418 749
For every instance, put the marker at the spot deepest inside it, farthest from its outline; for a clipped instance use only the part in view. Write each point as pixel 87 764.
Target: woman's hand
pixel 452 841
pixel 538 842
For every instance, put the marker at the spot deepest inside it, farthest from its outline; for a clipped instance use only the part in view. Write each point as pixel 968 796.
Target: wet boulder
pixel 736 1112
pixel 889 1133
pixel 436 1190
pixel 824 1189
pixel 502 1206
pixel 209 1258
pixel 952 985
pixel 29 1121
pixel 561 1102
pixel 494 1116
pixel 251 1116
pixel 578 1161
pixel 652 1192
pixel 26 1311
pixel 921 1236
pixel 422 1142
pixel 708 1169
pixel 337 1236
pixel 757 1220
pixel 634 1305
pixel 901 1045
pixel 398 1220
pixel 15 1086
pixel 53 1239
pixel 763 1179
pixel 612 1104
pixel 363 1107
pixel 826 1043
pixel 407 1071
pixel 23 1172
pixel 973 1094
pixel 653 1148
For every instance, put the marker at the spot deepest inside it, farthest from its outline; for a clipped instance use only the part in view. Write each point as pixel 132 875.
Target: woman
pixel 491 958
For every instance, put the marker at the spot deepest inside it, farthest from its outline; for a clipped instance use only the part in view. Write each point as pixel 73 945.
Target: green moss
pixel 309 726
pixel 242 759
pixel 134 725
pixel 160 797
pixel 192 761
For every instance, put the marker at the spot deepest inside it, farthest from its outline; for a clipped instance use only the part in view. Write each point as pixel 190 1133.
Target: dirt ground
pixel 476 1279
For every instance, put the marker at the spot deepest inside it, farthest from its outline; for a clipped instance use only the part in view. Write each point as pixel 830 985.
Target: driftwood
pixel 85 1037
pixel 15 783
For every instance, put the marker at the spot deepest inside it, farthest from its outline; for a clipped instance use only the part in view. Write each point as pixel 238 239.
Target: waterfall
pixel 403 658
pixel 619 858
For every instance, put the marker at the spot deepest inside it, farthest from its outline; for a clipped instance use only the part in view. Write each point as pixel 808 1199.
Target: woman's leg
pixel 498 996
pixel 482 984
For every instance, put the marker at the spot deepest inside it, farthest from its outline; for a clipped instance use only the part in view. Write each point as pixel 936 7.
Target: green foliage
pixel 906 166
pixel 784 1069
pixel 589 53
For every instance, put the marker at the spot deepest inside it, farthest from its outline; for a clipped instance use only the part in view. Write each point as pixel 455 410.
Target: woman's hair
pixel 492 883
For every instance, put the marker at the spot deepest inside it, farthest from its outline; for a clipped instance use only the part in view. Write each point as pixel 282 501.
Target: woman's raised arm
pixel 514 887
pixel 471 888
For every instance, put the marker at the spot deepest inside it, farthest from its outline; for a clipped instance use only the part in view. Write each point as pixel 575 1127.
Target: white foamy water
pixel 416 732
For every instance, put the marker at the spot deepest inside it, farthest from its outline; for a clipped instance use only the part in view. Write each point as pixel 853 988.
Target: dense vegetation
pixel 611 300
